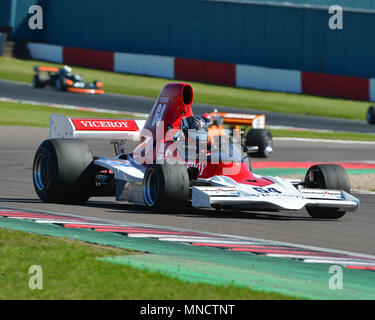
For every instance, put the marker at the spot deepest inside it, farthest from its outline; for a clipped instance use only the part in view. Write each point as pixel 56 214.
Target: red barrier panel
pixel 220 73
pixel 205 71
pixel 335 86
pixel 187 69
pixel 103 60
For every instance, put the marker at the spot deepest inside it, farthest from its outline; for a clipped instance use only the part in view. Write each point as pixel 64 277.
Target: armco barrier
pixel 244 76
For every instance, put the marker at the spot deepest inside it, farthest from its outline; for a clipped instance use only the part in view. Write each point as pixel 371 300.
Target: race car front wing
pixel 211 196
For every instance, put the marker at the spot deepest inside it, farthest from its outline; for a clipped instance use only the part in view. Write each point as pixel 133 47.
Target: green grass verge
pixel 22 70
pixel 323 135
pixel 71 270
pixel 23 114
pixel 30 115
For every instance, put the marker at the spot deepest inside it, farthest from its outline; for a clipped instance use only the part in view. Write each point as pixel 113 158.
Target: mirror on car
pixel 250 149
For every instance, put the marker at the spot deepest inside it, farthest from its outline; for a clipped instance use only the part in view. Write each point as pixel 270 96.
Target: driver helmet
pixel 195 129
pixel 195 135
pixel 67 70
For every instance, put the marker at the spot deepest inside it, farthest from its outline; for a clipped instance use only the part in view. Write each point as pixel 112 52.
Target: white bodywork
pixel 282 195
pixel 224 191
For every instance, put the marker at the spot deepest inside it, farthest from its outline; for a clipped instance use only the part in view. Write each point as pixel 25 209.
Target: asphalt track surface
pixel 354 232
pixel 23 91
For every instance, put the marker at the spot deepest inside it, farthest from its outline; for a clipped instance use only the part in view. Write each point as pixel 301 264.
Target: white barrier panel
pixel 143 64
pixel 372 89
pixel 271 79
pixel 46 52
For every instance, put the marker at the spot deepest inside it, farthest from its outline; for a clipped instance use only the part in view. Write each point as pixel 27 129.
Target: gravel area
pixel 357 182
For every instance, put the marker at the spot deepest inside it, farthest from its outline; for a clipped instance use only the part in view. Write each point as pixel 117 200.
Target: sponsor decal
pixel 159 114
pixel 105 125
pixel 266 190
pixel 240 116
pixel 200 166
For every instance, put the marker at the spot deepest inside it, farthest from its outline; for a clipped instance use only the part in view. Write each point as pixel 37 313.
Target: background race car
pixel 64 80
pixel 256 136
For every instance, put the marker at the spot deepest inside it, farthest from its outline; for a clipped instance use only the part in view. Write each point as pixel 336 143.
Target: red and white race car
pixel 169 163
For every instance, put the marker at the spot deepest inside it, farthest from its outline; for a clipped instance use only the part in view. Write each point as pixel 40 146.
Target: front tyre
pixel 166 187
pixel 63 171
pixel 326 176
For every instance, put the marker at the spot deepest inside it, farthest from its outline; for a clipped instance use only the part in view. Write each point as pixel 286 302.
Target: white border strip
pixel 230 236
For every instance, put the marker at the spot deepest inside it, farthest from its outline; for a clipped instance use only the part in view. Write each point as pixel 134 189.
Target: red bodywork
pixel 173 104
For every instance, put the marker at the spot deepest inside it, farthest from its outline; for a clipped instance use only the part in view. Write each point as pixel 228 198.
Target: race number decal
pixel 159 113
pixel 268 190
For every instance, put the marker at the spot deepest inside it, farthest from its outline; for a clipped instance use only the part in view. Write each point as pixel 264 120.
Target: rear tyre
pixel 63 171
pixel 261 138
pixel 37 83
pixel 166 188
pixel 60 85
pixel 370 115
pixel 326 176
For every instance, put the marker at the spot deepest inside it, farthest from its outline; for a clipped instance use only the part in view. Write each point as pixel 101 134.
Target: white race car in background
pixel 65 171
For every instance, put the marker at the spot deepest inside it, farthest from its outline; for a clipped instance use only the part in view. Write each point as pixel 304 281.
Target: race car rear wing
pixel 95 128
pixel 46 69
pixel 256 121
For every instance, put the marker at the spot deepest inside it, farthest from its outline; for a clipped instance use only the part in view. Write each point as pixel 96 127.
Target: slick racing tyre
pixel 261 138
pixel 60 84
pixel 166 187
pixel 370 115
pixel 326 176
pixel 37 83
pixel 63 171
